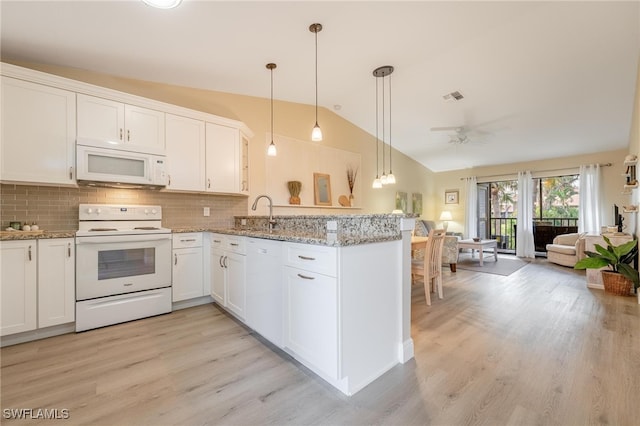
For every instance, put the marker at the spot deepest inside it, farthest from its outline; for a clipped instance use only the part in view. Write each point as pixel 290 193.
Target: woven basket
pixel 616 283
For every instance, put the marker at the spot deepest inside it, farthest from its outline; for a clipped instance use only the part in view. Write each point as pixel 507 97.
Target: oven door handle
pixel 121 238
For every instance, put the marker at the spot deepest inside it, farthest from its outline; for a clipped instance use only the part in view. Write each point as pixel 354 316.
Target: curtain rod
pixel 534 171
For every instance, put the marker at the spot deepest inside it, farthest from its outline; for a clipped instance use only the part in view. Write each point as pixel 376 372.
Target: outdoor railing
pixel 503 229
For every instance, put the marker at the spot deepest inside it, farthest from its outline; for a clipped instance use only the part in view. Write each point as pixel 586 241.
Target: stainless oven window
pixel 105 164
pixel 126 263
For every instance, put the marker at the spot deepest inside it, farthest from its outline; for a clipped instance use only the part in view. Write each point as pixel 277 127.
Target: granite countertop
pixel 335 239
pixel 30 235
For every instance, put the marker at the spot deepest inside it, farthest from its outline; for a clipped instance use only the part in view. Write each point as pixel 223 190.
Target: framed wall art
pixel 322 189
pixel 451 196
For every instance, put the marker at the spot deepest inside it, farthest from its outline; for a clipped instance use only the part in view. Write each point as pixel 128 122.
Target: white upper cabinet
pixel 38 133
pixel 110 124
pixel 185 151
pixel 223 159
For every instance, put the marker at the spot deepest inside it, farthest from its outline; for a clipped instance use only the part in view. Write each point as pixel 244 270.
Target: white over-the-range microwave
pixel 102 166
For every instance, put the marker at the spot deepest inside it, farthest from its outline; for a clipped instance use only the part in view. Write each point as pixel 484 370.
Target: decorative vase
pixel 351 200
pixel 616 283
pixel 294 190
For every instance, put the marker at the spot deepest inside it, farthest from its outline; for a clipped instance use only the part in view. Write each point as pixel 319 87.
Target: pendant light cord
pixel 271 105
pixel 390 172
pixel 383 125
pixel 316 36
pixel 377 139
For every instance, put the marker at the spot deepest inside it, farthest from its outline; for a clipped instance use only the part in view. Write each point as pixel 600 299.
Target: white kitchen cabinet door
pixel 144 129
pixel 18 288
pixel 311 322
pixel 56 281
pixel 187 273
pixel 218 274
pixel 236 283
pixel 38 133
pixel 264 289
pixel 111 124
pixel 185 153
pixel 222 159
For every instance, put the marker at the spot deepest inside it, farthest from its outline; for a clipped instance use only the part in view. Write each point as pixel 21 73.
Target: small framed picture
pixel 322 189
pixel 451 196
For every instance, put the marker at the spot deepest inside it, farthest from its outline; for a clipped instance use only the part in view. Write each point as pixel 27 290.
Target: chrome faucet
pixel 272 222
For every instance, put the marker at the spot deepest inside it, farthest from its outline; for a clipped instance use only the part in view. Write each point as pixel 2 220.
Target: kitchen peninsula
pixel 332 291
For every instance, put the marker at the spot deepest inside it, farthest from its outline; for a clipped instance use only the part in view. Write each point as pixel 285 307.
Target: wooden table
pixel 418 243
pixel 480 246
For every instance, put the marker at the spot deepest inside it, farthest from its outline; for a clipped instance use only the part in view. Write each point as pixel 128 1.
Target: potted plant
pixel 621 276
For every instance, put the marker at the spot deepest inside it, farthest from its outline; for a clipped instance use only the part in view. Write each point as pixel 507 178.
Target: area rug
pixel 504 266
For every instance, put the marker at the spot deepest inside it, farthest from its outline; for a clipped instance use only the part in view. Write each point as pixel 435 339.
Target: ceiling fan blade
pixel 448 129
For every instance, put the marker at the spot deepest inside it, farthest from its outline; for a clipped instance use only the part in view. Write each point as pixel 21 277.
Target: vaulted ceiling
pixel 539 79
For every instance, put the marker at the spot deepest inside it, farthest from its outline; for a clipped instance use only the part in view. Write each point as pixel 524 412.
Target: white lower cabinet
pixel 19 286
pixel 228 272
pixel 264 291
pixel 312 319
pixel 187 267
pixel 38 284
pixel 56 281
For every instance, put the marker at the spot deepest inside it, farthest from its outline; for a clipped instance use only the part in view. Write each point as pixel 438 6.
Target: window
pixel 555 212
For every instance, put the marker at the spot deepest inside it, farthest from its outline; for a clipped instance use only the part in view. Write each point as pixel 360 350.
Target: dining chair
pixel 430 266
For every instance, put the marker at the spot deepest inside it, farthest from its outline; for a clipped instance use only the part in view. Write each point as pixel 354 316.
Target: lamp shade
pixel 446 215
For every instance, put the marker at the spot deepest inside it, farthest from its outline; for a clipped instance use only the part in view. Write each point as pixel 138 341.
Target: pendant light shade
pixel 316 133
pixel 381 73
pixel 271 151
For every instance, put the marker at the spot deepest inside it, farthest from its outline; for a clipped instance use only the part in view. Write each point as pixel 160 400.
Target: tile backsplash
pixel 55 208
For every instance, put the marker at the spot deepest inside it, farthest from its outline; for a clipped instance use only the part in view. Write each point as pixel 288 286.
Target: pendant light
pixel 271 151
pixel 391 179
pixel 376 182
pixel 316 133
pixel 382 72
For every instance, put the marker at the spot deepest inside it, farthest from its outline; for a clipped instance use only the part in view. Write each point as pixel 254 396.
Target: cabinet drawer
pixel 186 240
pixel 320 259
pixel 235 244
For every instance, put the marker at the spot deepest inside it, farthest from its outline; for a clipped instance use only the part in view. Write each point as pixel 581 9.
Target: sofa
pixel 566 249
pixel 450 247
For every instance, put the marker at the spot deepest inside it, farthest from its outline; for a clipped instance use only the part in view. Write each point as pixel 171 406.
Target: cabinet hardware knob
pixel 220 262
pixel 175 259
pixel 29 253
pixel 306 277
pixel 128 135
pixel 70 172
pixel 306 257
pixel 225 262
pixel 69 250
pixel 121 133
pixel 188 240
pixel 169 184
pixel 234 244
pixel 208 183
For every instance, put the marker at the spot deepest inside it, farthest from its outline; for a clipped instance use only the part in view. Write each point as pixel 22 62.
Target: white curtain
pixel 590 199
pixel 471 208
pixel 525 246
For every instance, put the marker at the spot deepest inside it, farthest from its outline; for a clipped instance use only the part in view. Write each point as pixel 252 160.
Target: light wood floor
pixel 534 348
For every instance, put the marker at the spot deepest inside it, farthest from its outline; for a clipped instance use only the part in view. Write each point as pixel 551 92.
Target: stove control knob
pixel 98 211
pixel 146 211
pixel 154 211
pixel 89 210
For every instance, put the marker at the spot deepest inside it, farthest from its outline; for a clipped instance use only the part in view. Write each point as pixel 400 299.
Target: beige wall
pixel 612 180
pixel 290 119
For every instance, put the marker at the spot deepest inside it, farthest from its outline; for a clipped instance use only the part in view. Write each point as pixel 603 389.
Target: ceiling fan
pixel 457 134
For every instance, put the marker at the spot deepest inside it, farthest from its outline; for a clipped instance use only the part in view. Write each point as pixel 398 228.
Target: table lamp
pixel 445 216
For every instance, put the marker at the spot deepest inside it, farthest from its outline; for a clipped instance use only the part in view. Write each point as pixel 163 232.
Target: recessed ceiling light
pixel 163 4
